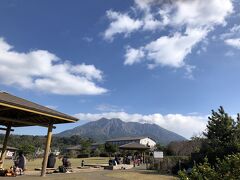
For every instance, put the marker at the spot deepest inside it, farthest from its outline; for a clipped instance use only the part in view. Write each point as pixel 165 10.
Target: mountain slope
pixel 104 129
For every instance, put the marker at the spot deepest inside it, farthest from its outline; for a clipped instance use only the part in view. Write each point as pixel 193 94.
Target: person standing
pixel 51 161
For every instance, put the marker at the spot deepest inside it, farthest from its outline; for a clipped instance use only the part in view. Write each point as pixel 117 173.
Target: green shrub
pixel 226 169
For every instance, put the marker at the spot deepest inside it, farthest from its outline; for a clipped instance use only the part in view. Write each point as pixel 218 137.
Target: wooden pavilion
pixel 133 146
pixel 18 112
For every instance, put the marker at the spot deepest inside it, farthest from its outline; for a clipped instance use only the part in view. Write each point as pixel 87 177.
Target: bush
pixel 169 164
pixel 225 169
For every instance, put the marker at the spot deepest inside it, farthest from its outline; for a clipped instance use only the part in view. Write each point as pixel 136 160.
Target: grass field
pixel 37 163
pixel 88 174
pixel 140 175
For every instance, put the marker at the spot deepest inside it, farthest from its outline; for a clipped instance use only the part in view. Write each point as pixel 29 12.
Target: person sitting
pixel 66 162
pixel 20 163
pixel 51 161
pixel 82 164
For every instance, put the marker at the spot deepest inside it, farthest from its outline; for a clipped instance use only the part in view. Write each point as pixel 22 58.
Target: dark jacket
pixel 51 161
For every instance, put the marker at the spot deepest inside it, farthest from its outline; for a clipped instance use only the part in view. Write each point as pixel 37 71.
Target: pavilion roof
pixel 21 112
pixel 133 146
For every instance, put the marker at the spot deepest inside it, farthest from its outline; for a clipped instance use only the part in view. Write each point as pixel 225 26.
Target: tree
pixel 237 132
pixel 110 148
pixel 221 136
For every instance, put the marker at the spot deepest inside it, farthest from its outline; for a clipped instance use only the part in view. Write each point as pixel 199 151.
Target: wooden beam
pixel 47 149
pixel 4 148
pixel 23 122
pixel 36 112
pixel 5 129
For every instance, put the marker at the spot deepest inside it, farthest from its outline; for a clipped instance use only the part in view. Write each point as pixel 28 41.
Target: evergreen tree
pixel 221 135
pixel 237 133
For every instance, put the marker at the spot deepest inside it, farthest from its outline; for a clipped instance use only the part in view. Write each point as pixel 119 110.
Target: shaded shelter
pixel 18 112
pixel 133 146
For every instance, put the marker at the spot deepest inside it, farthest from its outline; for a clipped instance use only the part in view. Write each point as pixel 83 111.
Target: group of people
pixel 20 164
pixel 18 168
pixel 52 160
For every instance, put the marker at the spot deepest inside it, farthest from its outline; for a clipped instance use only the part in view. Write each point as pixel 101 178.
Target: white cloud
pixel 232 37
pixel 233 42
pixel 234 32
pixel 52 107
pixel 166 50
pixel 185 24
pixel 229 53
pixel 144 4
pixel 198 13
pixel 44 71
pixel 151 23
pixel 121 23
pixel 108 107
pixel 87 39
pixel 133 56
pixel 178 123
pixel 235 28
pixel 171 50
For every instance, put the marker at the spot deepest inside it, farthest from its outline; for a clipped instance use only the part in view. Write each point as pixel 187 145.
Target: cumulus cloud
pixel 171 50
pixel 44 71
pixel 178 123
pixel 133 55
pixel 186 23
pixel 121 23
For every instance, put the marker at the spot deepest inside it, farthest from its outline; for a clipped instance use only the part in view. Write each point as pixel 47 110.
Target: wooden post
pixel 4 148
pixel 47 148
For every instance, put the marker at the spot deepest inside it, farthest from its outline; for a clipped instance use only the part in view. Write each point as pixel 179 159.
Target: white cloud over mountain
pixel 186 126
pixel 187 23
pixel 44 71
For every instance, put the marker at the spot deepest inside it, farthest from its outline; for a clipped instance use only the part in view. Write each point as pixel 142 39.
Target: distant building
pixel 146 141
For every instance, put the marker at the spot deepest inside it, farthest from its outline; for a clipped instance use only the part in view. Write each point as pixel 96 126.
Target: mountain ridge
pixel 104 129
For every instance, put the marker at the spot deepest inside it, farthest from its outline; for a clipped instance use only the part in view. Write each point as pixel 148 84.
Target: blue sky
pixel 144 60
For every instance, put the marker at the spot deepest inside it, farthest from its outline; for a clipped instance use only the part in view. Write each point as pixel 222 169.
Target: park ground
pixel 89 173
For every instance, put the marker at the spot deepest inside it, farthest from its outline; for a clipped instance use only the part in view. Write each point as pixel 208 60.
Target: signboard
pixel 158 154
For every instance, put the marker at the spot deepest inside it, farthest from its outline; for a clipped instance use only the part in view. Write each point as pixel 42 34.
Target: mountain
pixel 104 129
